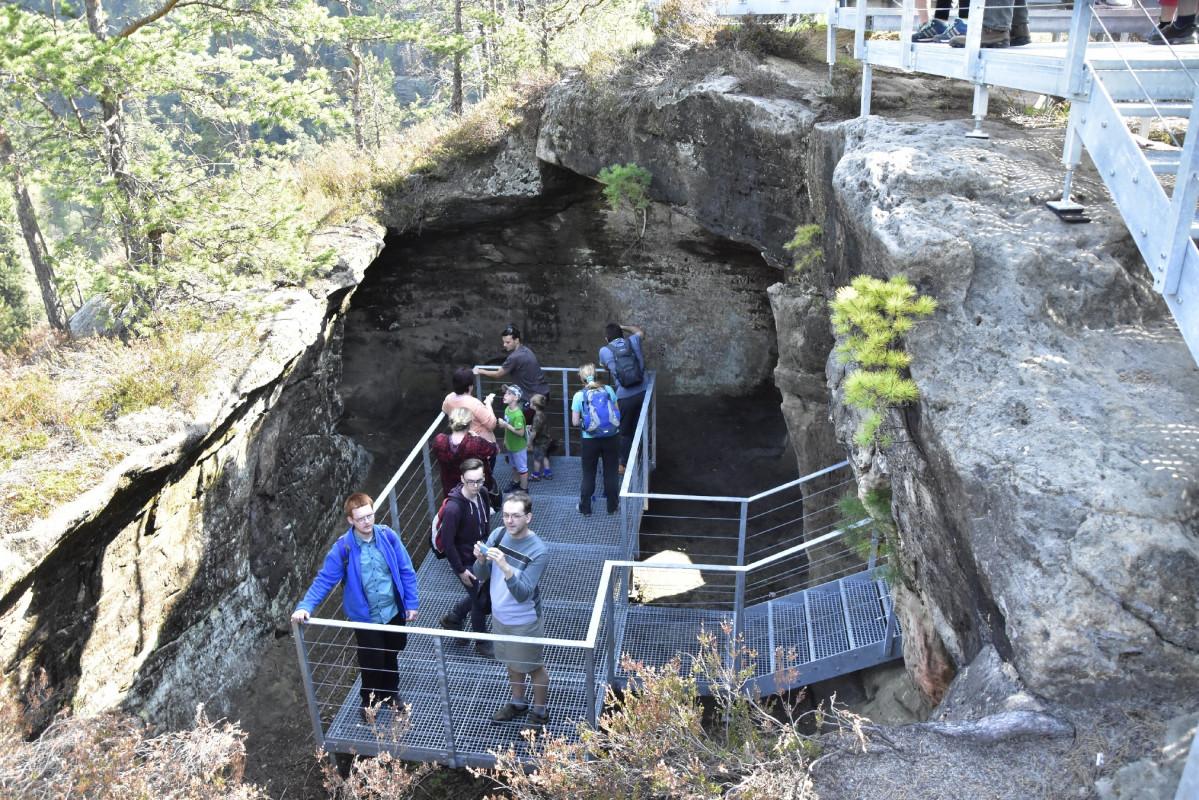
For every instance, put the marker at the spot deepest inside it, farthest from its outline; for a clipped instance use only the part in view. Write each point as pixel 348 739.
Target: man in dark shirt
pixel 521 365
pixel 465 521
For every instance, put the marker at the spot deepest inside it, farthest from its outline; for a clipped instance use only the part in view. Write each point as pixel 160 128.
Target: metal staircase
pixel 781 576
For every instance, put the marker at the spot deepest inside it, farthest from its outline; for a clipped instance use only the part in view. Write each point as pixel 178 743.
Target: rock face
pixel 158 588
pixel 1045 487
pixel 1041 486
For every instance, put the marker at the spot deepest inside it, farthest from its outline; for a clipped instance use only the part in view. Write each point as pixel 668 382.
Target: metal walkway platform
pixel 807 608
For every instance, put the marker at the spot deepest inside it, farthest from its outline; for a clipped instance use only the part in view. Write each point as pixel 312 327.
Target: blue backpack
pixel 601 416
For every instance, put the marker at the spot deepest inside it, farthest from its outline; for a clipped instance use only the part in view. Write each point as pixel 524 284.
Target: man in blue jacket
pixel 378 585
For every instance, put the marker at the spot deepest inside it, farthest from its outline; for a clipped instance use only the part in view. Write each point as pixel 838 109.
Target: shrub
pixel 658 740
pixel 627 185
pixel 15 317
pixel 805 247
pixel 110 756
pixel 871 316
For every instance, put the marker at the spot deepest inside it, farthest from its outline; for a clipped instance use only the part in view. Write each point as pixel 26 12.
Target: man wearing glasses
pixel 513 566
pixel 464 521
pixel 379 586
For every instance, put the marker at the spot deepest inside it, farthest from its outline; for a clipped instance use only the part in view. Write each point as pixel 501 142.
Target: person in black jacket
pixel 465 521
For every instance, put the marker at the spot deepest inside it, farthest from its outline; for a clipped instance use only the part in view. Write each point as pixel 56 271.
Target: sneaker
pixel 957 28
pixel 579 508
pixel 512 487
pixel 1019 36
pixel 929 31
pixel 451 623
pixel 485 649
pixel 548 474
pixel 509 712
pixel 989 39
pixel 1172 34
pixel 534 476
pixel 538 720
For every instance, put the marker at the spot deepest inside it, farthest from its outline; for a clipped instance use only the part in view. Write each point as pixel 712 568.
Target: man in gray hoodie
pixel 513 563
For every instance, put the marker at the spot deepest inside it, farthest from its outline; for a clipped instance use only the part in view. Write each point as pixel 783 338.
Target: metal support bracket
pixel 981 98
pixel 1068 211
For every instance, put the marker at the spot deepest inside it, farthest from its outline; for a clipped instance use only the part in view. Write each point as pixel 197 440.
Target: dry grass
pixel 62 407
pixel 111 756
pixel 342 182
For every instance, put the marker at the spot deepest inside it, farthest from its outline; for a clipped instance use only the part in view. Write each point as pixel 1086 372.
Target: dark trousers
pixel 472 604
pixel 378 655
pixel 607 448
pixel 630 412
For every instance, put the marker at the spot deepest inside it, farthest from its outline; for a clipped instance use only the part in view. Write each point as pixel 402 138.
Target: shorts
pixel 536 455
pixel 517 655
pixel 519 460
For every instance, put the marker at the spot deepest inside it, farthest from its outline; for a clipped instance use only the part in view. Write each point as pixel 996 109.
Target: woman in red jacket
pixel 451 449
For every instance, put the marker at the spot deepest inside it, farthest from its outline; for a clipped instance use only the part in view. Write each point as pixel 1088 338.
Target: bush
pixel 15 317
pixel 872 317
pixel 659 740
pixel 110 756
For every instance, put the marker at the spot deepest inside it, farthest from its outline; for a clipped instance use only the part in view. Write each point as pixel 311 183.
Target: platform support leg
pixel 982 96
pixel 1065 208
pixel 866 80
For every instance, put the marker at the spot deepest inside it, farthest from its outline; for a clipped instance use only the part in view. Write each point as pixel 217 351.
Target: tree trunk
pixel 456 92
pixel 116 155
pixel 357 109
pixel 27 217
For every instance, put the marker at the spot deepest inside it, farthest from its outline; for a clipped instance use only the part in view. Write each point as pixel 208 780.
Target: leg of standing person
pixel 630 412
pixel 378 654
pixel 1020 34
pixel 1182 30
pixel 590 460
pixel 610 450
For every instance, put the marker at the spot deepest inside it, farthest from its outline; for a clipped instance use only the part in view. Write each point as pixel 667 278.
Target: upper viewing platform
pixel 1100 59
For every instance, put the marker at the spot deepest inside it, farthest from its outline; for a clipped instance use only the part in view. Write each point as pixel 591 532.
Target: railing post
pixel 739 597
pixel 479 387
pixel 589 666
pixel 974 40
pixel 610 644
pixel 318 734
pixel 565 412
pixel 430 495
pixel 873 549
pixel 830 36
pixel 393 508
pixel 905 34
pixel 859 33
pixel 1075 82
pixel 1182 210
pixel 888 635
pixel 867 80
pixel 447 711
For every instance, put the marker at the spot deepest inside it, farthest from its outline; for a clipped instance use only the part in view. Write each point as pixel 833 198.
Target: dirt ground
pixel 745 449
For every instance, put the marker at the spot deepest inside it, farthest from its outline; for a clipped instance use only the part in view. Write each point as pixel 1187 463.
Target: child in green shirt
pixel 513 424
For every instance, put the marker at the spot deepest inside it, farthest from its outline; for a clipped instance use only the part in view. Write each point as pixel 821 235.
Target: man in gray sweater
pixel 514 564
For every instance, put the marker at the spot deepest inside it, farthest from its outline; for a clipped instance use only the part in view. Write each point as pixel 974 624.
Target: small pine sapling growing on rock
pixel 805 247
pixel 627 185
pixel 871 316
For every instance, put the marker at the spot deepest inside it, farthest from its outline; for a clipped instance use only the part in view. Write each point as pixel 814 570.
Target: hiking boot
pixel 451 623
pixel 485 649
pixel 1019 36
pixel 929 31
pixel 1171 34
pixel 509 712
pixel 957 28
pixel 538 720
pixel 989 39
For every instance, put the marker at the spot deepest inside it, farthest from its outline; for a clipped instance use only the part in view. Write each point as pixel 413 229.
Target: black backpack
pixel 625 364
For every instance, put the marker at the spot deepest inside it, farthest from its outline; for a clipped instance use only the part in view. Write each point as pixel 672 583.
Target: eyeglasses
pixel 506 515
pixel 470 482
pixel 364 517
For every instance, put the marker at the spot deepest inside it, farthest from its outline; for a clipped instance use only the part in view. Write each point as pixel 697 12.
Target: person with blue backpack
pixel 625 362
pixel 595 410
